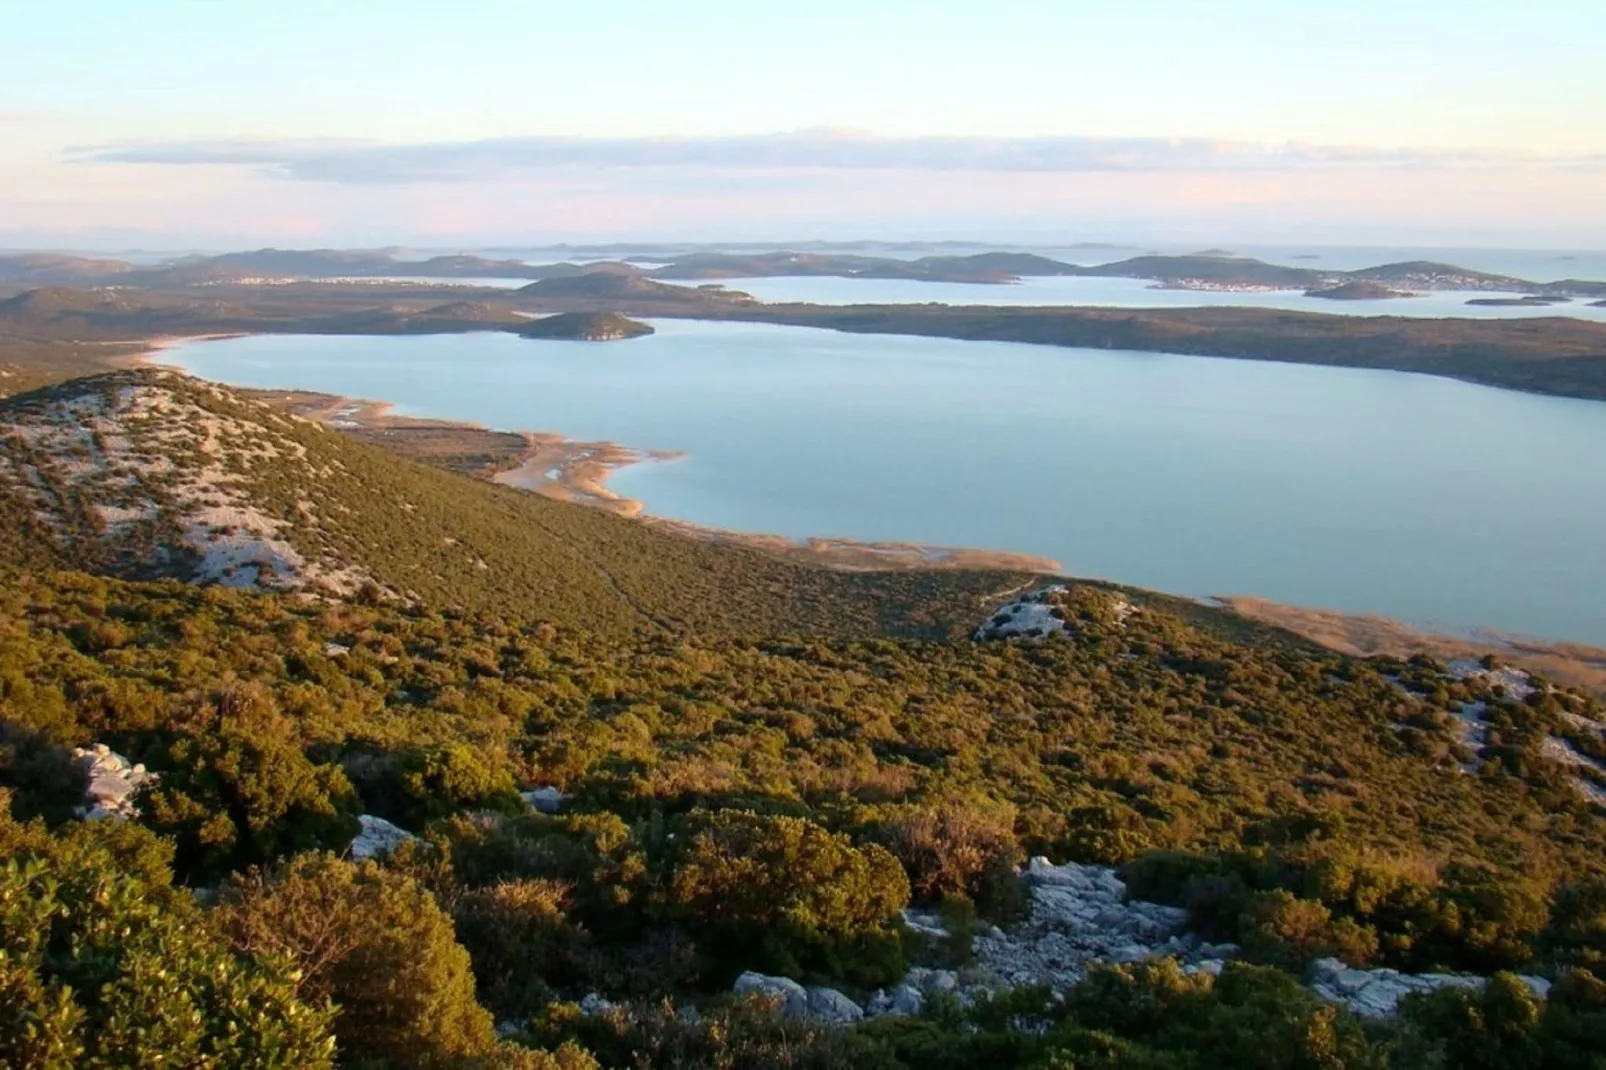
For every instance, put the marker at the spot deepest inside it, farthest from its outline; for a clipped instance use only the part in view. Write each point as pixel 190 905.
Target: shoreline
pixel 1575 664
pixel 575 471
pixel 147 357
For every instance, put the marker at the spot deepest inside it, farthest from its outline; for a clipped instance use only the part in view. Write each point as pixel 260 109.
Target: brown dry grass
pixel 1571 664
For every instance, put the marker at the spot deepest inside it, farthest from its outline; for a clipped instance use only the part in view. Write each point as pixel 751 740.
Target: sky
pixel 223 123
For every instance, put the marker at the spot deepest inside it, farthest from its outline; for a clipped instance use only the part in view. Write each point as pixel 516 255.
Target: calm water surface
pixel 1421 498
pixel 1128 293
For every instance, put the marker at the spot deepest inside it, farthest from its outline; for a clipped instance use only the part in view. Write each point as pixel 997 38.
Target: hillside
pixel 1553 355
pixel 1360 290
pixel 148 473
pixel 433 751
pixel 47 269
pixel 757 815
pixel 628 291
pixel 586 327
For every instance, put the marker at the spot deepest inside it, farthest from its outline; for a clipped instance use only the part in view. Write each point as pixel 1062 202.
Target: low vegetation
pixel 769 803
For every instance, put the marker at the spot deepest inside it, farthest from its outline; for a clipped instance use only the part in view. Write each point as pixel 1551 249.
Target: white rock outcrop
pixel 1079 916
pixel 548 800
pixel 1377 993
pixel 1028 616
pixel 377 837
pixel 832 1007
pixel 110 783
pixel 792 999
pixel 593 1005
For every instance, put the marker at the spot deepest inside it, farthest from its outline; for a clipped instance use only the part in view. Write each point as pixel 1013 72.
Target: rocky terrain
pixel 143 472
pixel 1081 917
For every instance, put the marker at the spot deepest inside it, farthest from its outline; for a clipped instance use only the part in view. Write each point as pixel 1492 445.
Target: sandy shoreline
pixel 1360 635
pixel 147 357
pixel 574 471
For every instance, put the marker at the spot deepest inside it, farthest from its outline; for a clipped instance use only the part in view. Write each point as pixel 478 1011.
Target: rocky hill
pixel 148 473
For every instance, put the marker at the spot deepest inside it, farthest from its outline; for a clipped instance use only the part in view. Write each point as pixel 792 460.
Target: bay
pixel 1434 501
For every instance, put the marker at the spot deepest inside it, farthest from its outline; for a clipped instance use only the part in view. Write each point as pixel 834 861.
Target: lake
pixel 1437 502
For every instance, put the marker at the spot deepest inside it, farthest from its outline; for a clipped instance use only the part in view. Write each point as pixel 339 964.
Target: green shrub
pixel 744 1035
pixel 103 963
pixel 1577 932
pixel 434 782
pixel 785 895
pixel 522 944
pixel 376 945
pixel 243 793
pixel 1284 930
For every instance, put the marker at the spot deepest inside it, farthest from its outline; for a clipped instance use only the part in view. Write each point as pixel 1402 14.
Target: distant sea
pixel 1536 265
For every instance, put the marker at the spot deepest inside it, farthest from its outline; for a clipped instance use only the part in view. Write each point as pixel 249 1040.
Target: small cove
pixel 1434 501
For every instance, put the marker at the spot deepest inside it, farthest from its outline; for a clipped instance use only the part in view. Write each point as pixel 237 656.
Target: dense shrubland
pixel 762 804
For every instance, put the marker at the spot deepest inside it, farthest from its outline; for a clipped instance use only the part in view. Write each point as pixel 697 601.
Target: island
pixel 1212 269
pixel 609 291
pixel 1528 301
pixel 586 327
pixel 1360 290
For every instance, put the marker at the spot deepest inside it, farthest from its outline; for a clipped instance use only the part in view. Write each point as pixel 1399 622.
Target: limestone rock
pixel 377 837
pixel 1030 616
pixel 548 800
pixel 832 1007
pixel 792 999
pixel 593 1005
pixel 902 1002
pixel 1377 993
pixel 110 783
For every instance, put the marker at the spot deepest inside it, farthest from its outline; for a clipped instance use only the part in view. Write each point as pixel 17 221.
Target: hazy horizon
pixel 194 125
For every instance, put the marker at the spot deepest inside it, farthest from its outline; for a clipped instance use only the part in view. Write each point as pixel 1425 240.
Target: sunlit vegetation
pixel 763 765
pixel 771 804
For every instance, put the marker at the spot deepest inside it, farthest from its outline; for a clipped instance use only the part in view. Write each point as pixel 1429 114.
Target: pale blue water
pixel 1126 293
pixel 1421 498
pixel 1114 293
pixel 1537 265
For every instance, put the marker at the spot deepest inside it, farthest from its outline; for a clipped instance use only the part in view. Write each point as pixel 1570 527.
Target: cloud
pixel 28 116
pixel 358 162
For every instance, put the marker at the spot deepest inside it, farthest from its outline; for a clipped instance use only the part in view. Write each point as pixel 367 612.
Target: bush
pixel 433 782
pixel 783 894
pixel 1250 1018
pixel 953 851
pixel 243 793
pixel 1577 932
pixel 522 943
pixel 375 944
pixel 745 1035
pixel 1284 930
pixel 104 963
